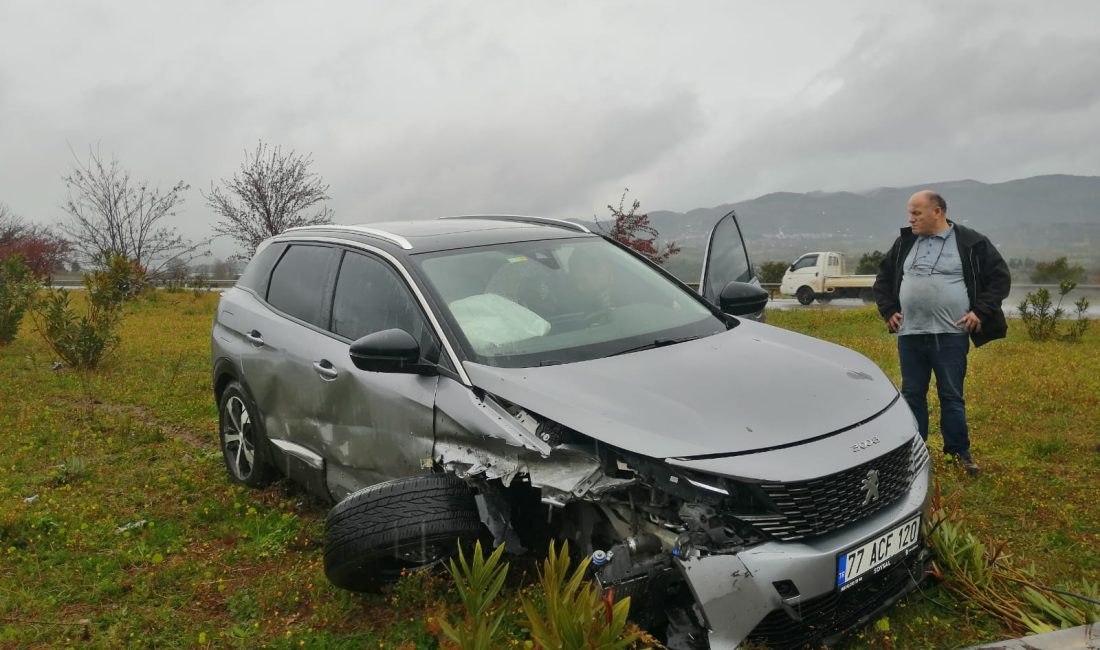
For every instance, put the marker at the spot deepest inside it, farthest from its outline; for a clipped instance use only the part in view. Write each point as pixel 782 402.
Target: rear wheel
pixel 244 447
pixel 805 295
pixel 408 523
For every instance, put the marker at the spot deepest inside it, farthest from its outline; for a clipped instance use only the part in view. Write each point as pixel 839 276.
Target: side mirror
pixel 393 350
pixel 742 299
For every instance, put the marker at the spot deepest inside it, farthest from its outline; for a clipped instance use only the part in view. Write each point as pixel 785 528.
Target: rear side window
pixel 298 282
pixel 258 271
pixel 370 297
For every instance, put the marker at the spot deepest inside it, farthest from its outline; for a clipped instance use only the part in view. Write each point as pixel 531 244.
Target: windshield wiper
pixel 657 343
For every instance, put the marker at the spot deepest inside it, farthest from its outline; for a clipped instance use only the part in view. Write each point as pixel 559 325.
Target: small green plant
pixel 1080 325
pixel 74 469
pixel 1041 316
pixel 1049 447
pixel 572 613
pixel 198 284
pixel 478 583
pixel 18 287
pixel 82 340
pixel 119 279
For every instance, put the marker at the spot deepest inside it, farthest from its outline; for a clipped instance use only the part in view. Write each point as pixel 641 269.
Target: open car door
pixel 728 279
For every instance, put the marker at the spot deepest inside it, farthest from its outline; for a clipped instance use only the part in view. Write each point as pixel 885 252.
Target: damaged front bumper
pixel 785 593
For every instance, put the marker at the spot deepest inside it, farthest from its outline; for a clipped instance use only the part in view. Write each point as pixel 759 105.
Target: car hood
pixel 753 387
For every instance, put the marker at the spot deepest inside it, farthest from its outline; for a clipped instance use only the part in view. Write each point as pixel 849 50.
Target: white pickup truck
pixel 823 276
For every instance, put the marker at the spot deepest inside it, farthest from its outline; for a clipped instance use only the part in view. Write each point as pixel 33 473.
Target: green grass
pixel 84 455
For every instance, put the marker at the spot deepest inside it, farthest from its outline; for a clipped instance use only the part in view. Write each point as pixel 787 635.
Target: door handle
pixel 325 369
pixel 256 338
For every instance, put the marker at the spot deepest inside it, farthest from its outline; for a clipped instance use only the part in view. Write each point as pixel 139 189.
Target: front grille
pixel 816 507
pixel 826 617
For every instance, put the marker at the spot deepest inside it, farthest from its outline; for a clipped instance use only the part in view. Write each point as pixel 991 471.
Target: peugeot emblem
pixel 870 486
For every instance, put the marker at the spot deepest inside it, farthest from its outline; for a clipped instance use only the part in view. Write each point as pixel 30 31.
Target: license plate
pixel 876 554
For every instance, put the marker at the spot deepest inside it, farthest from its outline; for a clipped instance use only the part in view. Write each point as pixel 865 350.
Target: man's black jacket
pixel 984 271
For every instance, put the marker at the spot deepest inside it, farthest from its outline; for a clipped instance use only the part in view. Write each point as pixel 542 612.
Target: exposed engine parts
pixel 695 551
pixel 633 516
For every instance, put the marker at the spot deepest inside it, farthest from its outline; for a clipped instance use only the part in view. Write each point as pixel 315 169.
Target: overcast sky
pixel 419 109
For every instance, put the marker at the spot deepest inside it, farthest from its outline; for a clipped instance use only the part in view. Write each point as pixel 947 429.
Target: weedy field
pixel 119 528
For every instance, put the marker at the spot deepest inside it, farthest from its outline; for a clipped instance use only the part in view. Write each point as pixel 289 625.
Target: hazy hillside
pixel 1041 217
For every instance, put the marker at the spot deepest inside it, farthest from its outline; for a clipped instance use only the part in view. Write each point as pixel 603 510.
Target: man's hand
pixel 894 323
pixel 970 323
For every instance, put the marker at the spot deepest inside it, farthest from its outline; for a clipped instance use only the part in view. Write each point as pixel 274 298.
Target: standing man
pixel 940 287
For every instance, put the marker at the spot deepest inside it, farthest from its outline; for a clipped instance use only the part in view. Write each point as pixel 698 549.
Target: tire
pixel 242 440
pixel 805 295
pixel 408 523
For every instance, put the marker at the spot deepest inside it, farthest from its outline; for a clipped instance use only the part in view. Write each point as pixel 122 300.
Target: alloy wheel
pixel 238 440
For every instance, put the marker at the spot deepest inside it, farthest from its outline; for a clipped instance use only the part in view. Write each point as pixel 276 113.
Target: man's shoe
pixel 965 461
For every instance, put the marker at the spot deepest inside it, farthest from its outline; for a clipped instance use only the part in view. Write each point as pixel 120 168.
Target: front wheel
pixel 805 295
pixel 408 523
pixel 242 440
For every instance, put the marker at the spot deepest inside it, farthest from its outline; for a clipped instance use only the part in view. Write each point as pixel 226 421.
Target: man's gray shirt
pixel 933 291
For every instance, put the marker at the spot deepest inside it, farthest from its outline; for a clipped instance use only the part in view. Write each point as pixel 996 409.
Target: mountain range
pixel 1037 218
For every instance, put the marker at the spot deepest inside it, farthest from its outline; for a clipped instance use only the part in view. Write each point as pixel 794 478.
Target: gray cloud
pixel 993 102
pixel 421 108
pixel 532 163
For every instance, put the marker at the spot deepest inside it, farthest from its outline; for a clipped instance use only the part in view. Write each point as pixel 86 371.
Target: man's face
pixel 925 217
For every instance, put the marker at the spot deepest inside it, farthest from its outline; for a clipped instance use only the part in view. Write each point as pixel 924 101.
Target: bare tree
pixel 273 192
pixel 12 225
pixel 108 212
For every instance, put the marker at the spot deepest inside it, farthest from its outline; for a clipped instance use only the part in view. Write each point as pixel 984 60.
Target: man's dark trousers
pixel 922 355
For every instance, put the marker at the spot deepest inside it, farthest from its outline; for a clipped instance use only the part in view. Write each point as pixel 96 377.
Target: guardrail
pixel 213 284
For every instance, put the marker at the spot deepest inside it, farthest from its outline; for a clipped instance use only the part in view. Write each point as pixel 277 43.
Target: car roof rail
pixel 517 218
pixel 361 230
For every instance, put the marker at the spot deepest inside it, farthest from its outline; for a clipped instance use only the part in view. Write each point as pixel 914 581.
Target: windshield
pixel 536 303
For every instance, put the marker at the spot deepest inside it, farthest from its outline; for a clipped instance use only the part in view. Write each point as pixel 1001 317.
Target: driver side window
pixel 370 297
pixel 805 262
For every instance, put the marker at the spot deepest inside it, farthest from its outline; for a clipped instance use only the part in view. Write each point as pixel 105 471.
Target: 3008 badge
pixel 864 444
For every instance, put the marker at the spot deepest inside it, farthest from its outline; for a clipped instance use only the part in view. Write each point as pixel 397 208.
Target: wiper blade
pixel 657 343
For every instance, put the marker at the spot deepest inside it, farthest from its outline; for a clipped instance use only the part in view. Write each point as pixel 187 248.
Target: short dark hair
pixel 933 197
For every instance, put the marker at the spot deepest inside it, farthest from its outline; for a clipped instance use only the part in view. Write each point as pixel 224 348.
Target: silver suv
pixel 519 379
